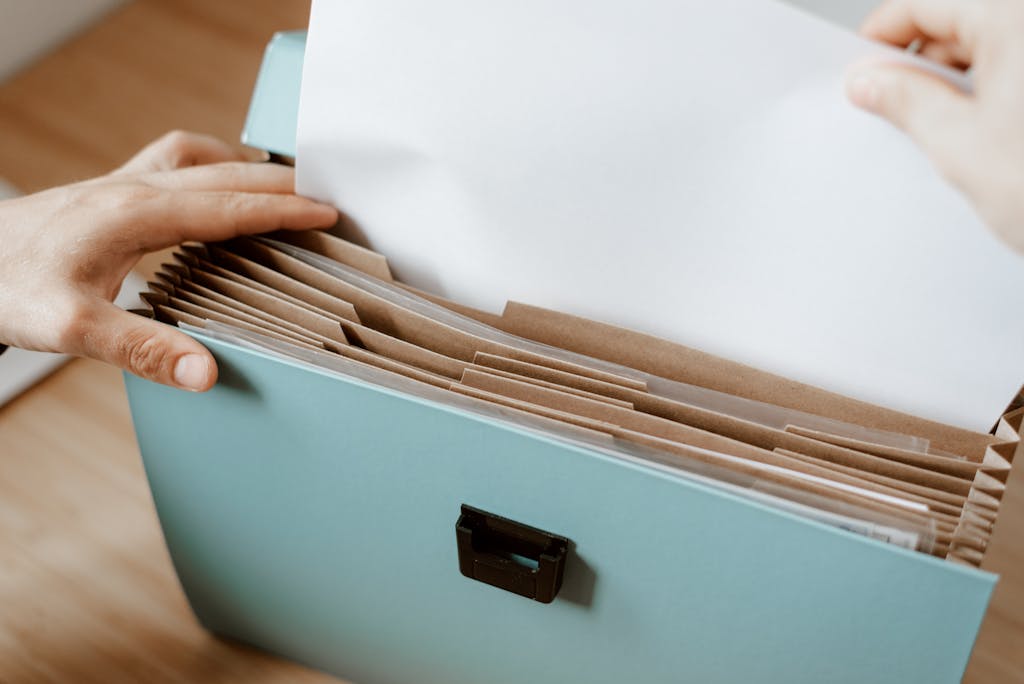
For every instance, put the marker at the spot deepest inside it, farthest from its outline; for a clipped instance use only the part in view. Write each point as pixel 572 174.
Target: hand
pixel 64 252
pixel 976 140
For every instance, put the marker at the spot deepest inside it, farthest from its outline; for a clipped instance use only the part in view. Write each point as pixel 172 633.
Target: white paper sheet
pixel 688 169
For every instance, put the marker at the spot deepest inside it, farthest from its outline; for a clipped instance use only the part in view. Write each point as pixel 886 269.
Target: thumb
pixel 935 114
pixel 147 348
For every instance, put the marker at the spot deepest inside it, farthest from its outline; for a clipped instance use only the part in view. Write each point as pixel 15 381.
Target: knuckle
pixel 143 353
pixel 178 147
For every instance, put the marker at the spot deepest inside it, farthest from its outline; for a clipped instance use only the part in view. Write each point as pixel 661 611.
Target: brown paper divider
pixel 237 288
pixel 235 317
pixel 257 317
pixel 554 386
pixel 966 555
pixel 984 504
pixel 606 413
pixel 764 439
pixel 567 367
pixel 945 497
pixel 988 484
pixel 612 390
pixel 684 364
pixel 711 421
pixel 590 424
pixel 411 354
pixel 196 316
pixel 890 487
pixel 350 352
pixel 944 528
pixel 354 353
pixel 398 321
pixel 167 276
pixel 685 451
pixel 652 426
pixel 228 265
pixel 595 426
pixel 880 466
pixel 374 311
pixel 342 251
pixel 940 464
pixel 273 309
pixel 485 317
pixel 376 360
pixel 410 360
pixel 1010 429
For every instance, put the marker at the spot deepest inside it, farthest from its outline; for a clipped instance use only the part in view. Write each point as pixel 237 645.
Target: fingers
pixel 946 53
pixel 168 218
pixel 935 114
pixel 233 176
pixel 901 22
pixel 142 346
pixel 179 149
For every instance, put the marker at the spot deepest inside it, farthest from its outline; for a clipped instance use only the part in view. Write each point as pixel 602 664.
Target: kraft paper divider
pixel 934 503
pixel 491 319
pixel 555 376
pixel 399 350
pixel 630 420
pixel 798 445
pixel 677 362
pixel 227 315
pixel 266 325
pixel 397 321
pixel 284 312
pixel 983 495
pixel 403 300
pixel 656 356
pixel 668 387
pixel 342 251
pixel 273 322
pixel 413 364
pixel 159 296
pixel 935 494
pixel 244 292
pixel 943 464
pixel 171 314
pixel 550 385
pixel 754 433
pixel 252 301
pixel 943 535
pixel 371 263
pixel 388 347
pixel 256 275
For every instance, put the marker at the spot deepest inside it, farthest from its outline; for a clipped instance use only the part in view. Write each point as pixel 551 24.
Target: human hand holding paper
pixel 976 140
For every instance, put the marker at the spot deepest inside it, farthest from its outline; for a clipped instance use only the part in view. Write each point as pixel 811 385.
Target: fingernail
pixel 863 91
pixel 190 372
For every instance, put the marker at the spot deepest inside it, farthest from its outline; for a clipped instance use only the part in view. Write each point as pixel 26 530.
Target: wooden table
pixel 87 593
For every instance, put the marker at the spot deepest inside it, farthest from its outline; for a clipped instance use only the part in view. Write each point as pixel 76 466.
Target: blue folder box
pixel 313 515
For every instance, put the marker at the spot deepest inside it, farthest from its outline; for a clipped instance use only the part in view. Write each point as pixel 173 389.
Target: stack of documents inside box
pixel 316 299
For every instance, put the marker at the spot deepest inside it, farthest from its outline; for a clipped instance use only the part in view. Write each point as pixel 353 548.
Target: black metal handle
pixel 510 555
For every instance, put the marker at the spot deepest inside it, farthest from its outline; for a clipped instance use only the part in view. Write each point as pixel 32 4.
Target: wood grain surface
pixel 87 592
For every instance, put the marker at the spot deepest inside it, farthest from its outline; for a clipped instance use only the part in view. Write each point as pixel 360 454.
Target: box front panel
pixel 315 517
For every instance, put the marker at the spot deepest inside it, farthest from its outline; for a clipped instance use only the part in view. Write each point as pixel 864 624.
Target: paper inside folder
pixel 663 167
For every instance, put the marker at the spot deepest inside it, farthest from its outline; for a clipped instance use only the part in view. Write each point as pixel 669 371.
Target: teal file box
pixel 314 515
